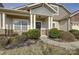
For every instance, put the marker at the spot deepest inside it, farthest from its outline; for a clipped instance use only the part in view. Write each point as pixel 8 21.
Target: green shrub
pixel 3 42
pixel 67 36
pixel 73 30
pixel 33 34
pixel 75 33
pixel 54 33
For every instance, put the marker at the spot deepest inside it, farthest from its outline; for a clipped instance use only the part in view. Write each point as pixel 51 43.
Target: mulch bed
pixel 26 43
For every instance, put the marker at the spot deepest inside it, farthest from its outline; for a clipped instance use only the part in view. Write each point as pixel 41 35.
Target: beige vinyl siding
pixel 9 23
pixel 42 11
pixel 0 20
pixel 75 26
pixel 56 25
pixel 63 25
pixel 75 22
pixel 62 14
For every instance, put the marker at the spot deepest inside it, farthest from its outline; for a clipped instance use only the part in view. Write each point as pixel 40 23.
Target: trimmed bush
pixel 67 36
pixel 54 33
pixel 75 33
pixel 33 34
pixel 73 30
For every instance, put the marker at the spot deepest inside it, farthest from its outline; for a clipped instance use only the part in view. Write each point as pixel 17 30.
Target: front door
pixel 38 25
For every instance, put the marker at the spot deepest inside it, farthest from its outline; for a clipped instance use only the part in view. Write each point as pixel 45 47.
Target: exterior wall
pixel 44 25
pixel 63 25
pixel 75 22
pixel 42 11
pixel 10 24
pixel 56 25
pixel 19 30
pixel 75 26
pixel 62 14
pixel 0 20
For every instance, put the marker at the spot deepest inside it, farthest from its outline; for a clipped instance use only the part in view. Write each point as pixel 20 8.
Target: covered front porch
pixel 7 20
pixel 41 22
pixel 22 21
pixel 19 23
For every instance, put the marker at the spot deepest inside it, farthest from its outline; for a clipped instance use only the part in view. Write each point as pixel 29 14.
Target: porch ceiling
pixel 41 17
pixel 13 11
pixel 17 16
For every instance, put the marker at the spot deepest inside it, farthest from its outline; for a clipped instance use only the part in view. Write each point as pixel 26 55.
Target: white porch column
pixel 13 27
pixel 3 19
pixel 31 18
pixel 69 25
pixel 48 22
pixel 51 21
pixel 34 21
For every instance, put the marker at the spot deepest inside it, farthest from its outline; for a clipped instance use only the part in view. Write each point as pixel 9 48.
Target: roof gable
pixel 32 6
pixel 36 5
pixel 42 11
pixel 74 13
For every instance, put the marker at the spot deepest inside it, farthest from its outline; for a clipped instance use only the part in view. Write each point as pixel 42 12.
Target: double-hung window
pixel 20 25
pixel 24 25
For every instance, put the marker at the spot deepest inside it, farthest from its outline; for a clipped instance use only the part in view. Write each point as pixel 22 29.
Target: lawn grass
pixel 39 48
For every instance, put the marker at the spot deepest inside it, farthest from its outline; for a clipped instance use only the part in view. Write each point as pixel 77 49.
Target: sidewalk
pixel 66 45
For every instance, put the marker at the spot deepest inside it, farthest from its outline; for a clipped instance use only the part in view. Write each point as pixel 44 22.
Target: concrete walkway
pixel 66 45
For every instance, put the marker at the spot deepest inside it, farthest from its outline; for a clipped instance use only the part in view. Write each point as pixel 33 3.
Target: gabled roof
pixel 74 13
pixel 33 5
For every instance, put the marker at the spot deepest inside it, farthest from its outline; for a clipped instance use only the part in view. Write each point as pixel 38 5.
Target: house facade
pixel 42 16
pixel 74 17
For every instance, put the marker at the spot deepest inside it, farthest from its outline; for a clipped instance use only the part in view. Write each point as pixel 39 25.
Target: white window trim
pixel 21 27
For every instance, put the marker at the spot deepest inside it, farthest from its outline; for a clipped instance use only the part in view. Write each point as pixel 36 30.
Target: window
pixel 20 25
pixel 17 25
pixel 24 25
pixel 53 25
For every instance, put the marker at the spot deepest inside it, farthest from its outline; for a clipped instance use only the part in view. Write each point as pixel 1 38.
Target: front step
pixel 43 37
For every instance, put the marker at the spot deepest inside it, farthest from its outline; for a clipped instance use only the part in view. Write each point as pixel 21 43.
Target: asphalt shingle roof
pixel 1 5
